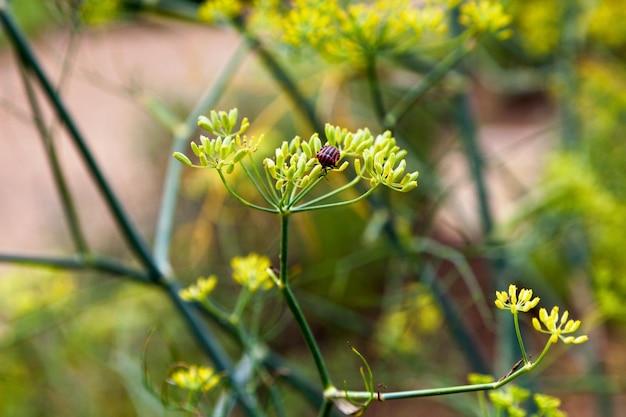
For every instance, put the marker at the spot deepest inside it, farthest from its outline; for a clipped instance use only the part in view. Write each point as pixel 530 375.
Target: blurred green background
pixel 546 107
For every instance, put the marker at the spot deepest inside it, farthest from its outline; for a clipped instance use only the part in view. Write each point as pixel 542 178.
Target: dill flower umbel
pixel 558 326
pixel 195 378
pixel 252 272
pixel 200 290
pixel 515 301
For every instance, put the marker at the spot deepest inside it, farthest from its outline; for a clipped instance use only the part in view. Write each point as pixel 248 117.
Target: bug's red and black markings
pixel 328 157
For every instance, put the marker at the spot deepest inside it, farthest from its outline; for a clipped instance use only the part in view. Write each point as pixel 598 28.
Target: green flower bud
pixel 343 166
pixel 408 186
pixel 301 165
pixel 316 171
pixel 348 140
pixel 378 168
pixel 332 133
pixel 182 158
pixel 280 157
pixel 233 115
pixel 225 121
pixel 196 150
pixel 206 144
pixel 306 148
pixel 270 166
pixel 203 160
pixel 316 143
pixel 245 124
pixel 388 167
pixel 294 145
pixel 361 147
pixel 215 121
pixel 369 161
pixel 357 167
pixel 217 145
pixel 239 155
pixel 205 123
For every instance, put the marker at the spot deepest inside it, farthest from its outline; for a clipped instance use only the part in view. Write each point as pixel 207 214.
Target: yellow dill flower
pixel 212 11
pixel 195 378
pixel 200 290
pixel 358 31
pixel 308 23
pixel 606 23
pixel 537 24
pixel 548 405
pixel 514 301
pixel 557 327
pixel 252 272
pixel 486 16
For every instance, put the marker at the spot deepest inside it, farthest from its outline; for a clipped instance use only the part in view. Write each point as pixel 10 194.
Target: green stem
pixel 467 133
pixel 57 172
pixel 332 193
pixel 284 249
pixel 431 392
pixel 334 205
pixel 24 52
pixel 269 359
pixel 261 189
pixel 241 199
pixel 326 409
pixel 240 305
pixel 542 355
pixel 304 192
pixel 269 181
pixel 214 349
pixel 402 107
pixel 375 91
pixel 292 303
pixel 94 262
pixel 519 337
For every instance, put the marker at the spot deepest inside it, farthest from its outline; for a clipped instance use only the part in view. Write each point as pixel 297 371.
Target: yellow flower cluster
pixel 295 164
pixel 384 163
pixel 228 148
pixel 195 378
pixel 213 11
pixel 516 302
pixel 606 24
pixel 200 290
pixel 252 272
pixel 538 26
pixel 523 301
pixel 556 326
pixel 358 31
pixel 486 16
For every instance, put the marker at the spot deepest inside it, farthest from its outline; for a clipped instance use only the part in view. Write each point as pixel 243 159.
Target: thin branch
pixel 23 50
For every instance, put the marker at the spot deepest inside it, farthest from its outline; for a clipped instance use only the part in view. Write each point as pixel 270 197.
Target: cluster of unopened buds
pixel 298 165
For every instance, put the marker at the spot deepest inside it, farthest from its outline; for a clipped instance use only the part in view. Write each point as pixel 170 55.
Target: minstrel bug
pixel 328 157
